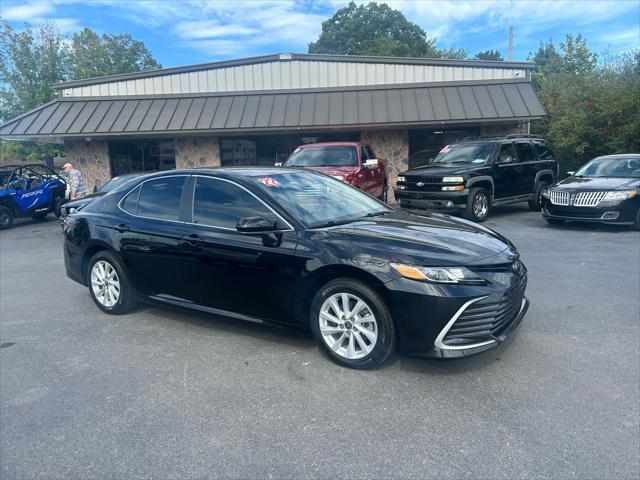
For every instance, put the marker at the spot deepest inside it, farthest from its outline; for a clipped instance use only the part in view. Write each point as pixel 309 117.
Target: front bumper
pixel 432 200
pixel 437 320
pixel 615 213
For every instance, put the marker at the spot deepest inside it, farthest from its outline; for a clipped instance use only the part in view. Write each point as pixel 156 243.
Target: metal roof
pixel 338 108
pixel 295 56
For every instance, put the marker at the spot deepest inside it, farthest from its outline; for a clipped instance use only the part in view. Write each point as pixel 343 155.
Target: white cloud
pixel 27 12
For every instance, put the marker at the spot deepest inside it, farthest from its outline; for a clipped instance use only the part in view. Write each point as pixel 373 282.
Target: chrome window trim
pixel 246 190
pixel 140 185
pixel 439 343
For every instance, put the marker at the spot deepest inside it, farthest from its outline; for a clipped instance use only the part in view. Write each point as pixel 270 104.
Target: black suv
pixel 478 173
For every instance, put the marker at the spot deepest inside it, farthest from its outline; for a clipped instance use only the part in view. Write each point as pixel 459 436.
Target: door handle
pixel 192 239
pixel 121 228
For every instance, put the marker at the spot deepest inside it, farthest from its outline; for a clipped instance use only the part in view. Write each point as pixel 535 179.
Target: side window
pixel 544 151
pixel 507 154
pixel 369 151
pixel 161 198
pixel 219 203
pixel 130 203
pixel 363 154
pixel 526 152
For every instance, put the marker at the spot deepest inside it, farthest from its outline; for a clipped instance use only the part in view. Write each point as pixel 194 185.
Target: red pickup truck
pixel 354 163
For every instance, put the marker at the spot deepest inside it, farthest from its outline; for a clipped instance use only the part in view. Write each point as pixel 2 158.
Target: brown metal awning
pixel 339 108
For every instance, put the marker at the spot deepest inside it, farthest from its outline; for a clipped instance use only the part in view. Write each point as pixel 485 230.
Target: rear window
pixel 161 198
pixel 338 156
pixel 525 152
pixel 544 151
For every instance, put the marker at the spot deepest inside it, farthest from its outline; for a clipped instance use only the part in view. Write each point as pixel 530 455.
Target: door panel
pixel 506 172
pixel 528 159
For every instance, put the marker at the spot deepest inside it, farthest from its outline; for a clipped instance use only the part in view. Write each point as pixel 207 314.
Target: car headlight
pixel 453 180
pixel 72 210
pixel 622 195
pixel 438 274
pixel 401 179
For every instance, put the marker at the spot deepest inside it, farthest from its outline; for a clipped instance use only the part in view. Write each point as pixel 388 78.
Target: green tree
pixel 489 55
pixel 592 108
pixel 376 29
pixel 95 56
pixel 31 62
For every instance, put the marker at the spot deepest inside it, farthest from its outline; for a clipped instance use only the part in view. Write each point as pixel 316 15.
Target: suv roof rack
pixel 524 135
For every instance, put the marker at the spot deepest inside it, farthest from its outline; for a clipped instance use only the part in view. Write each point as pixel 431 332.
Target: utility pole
pixel 510 56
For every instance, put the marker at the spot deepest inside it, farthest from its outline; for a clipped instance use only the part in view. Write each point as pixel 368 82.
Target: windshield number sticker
pixel 269 182
pixel 445 149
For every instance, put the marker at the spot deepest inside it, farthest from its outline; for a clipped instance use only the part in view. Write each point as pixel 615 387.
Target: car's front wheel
pixel 352 324
pixel 536 204
pixel 109 284
pixel 478 205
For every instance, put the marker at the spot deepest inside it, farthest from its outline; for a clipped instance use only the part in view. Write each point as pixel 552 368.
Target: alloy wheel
pixel 348 326
pixel 480 205
pixel 105 283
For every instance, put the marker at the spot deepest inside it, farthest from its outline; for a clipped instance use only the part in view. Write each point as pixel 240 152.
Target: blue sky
pixel 197 31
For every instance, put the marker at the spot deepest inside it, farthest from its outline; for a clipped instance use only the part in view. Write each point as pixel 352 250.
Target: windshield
pixel 318 200
pixel 624 167
pixel 114 183
pixel 323 157
pixel 477 154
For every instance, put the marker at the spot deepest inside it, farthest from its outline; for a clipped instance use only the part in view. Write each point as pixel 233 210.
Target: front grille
pixel 558 197
pixel 415 179
pixel 588 199
pixel 487 319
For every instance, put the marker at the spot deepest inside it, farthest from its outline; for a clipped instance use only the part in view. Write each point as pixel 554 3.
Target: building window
pixel 265 150
pixel 141 156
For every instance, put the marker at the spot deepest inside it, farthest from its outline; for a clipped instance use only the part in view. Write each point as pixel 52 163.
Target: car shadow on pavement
pixel 288 336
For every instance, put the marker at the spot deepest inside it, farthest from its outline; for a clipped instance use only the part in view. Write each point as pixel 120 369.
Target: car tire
pixel 384 197
pixel 554 221
pixel 362 339
pixel 106 274
pixel 535 204
pixel 636 224
pixel 6 217
pixel 478 205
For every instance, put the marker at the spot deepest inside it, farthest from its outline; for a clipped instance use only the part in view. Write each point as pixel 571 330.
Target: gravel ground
pixel 163 393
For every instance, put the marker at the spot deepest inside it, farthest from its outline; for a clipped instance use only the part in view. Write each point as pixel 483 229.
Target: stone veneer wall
pixel 500 130
pixel 91 158
pixel 194 152
pixel 392 145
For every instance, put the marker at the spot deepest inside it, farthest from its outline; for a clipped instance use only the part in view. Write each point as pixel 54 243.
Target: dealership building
pixel 255 111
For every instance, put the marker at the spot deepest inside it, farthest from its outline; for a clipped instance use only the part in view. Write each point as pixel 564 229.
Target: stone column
pixel 91 158
pixel 194 152
pixel 392 145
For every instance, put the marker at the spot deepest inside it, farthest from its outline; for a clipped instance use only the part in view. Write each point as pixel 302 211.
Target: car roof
pixel 330 144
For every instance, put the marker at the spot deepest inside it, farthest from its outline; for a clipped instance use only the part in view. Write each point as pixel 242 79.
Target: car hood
pixel 86 200
pixel 599 183
pixel 333 171
pixel 429 239
pixel 443 170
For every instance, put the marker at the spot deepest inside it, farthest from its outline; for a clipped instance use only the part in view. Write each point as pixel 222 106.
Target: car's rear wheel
pixel 6 217
pixel 108 284
pixel 352 324
pixel 478 205
pixel 536 203
pixel 554 221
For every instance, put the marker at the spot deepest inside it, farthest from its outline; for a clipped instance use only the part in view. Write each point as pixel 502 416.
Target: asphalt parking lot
pixel 164 393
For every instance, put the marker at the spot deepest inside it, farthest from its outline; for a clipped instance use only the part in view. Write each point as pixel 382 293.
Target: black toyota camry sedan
pixel 285 246
pixel 604 190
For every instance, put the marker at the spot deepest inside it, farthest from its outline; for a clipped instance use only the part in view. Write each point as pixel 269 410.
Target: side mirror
pixel 571 172
pixel 277 164
pixel 372 163
pixel 95 188
pixel 255 225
